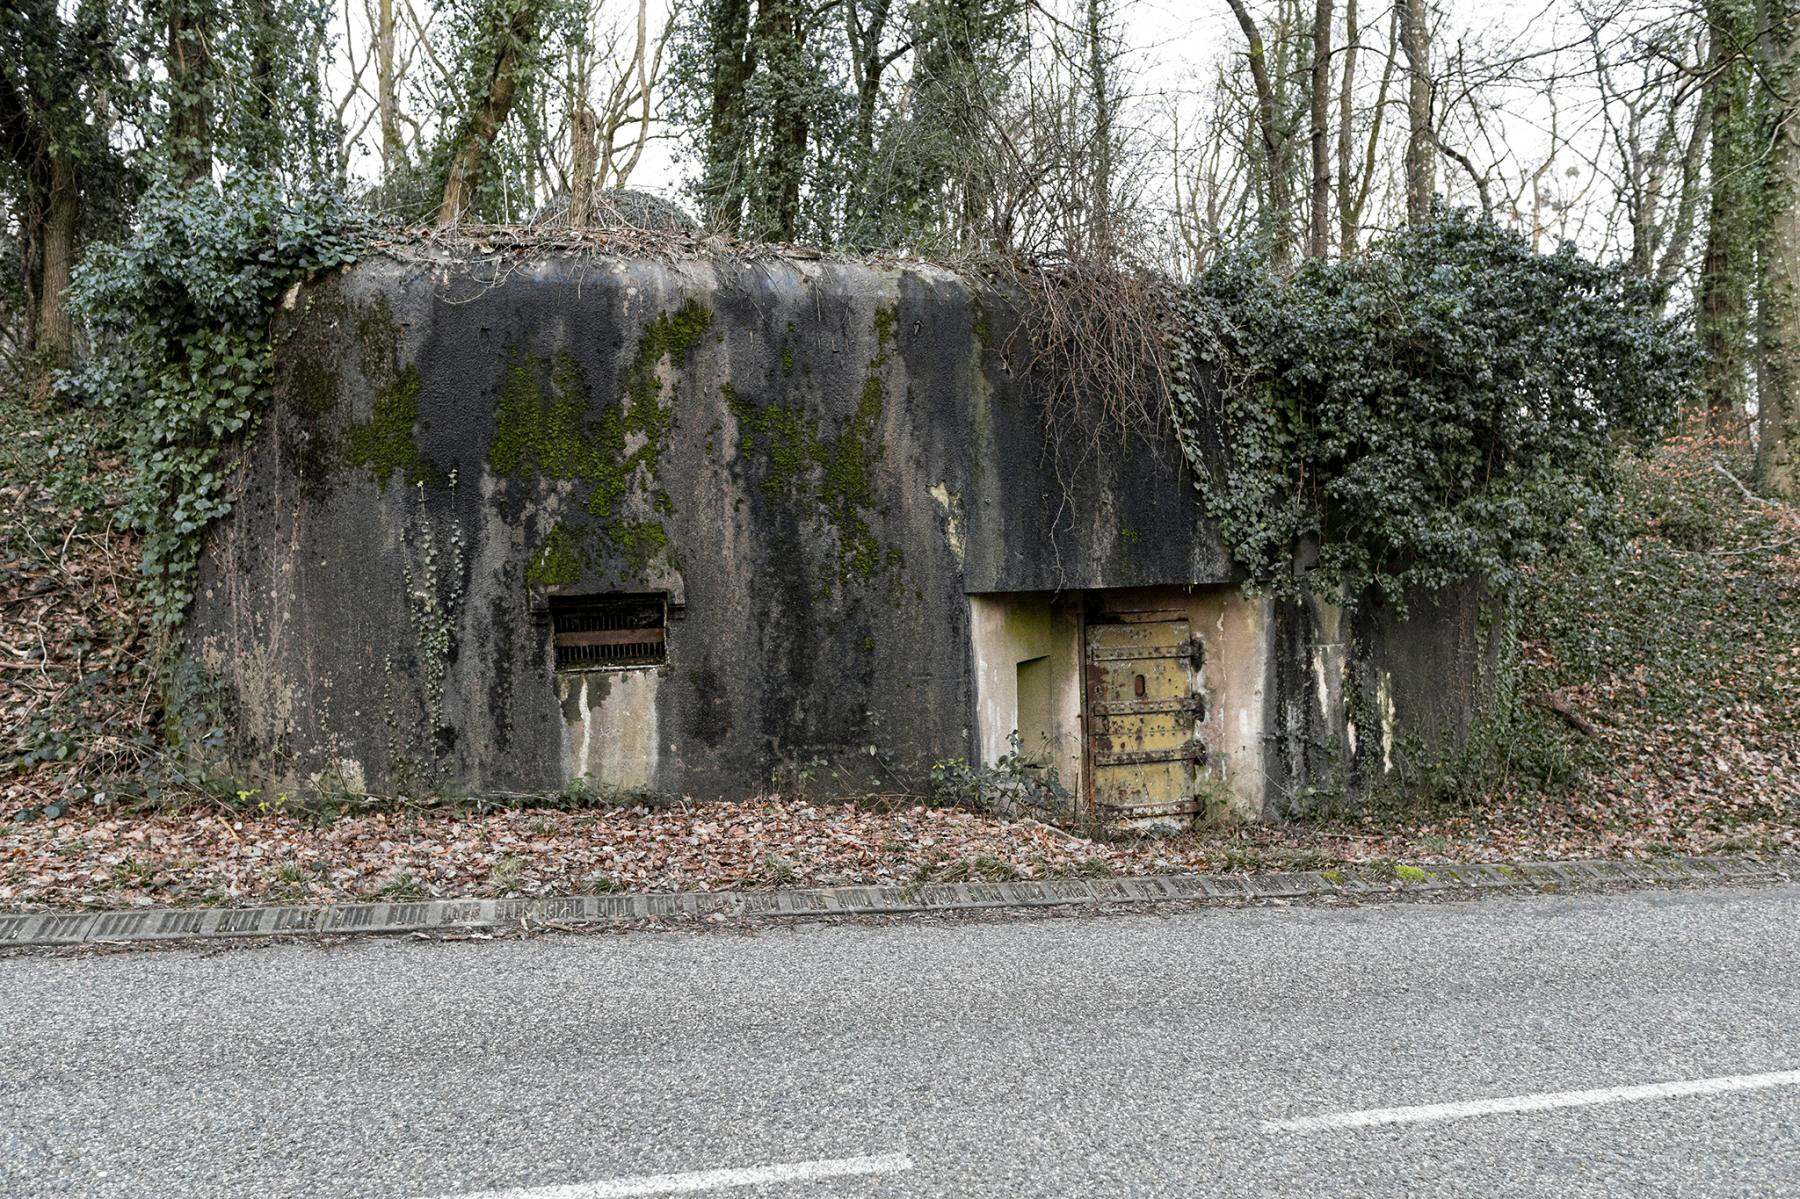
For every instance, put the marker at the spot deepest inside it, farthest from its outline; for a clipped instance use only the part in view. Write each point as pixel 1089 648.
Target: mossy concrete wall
pixel 818 462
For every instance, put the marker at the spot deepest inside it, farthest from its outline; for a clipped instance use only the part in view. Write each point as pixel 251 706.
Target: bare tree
pixel 607 102
pixel 1277 214
pixel 1421 141
pixel 1353 181
pixel 1209 196
pixel 1658 136
pixel 1320 105
pixel 1099 37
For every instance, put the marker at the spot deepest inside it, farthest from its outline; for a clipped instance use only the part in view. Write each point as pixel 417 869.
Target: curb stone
pixel 47 929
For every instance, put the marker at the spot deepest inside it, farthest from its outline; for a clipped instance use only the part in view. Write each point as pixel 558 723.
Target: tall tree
pixel 192 82
pixel 720 51
pixel 1355 181
pixel 1778 301
pixel 948 151
pixel 791 85
pixel 59 75
pixel 239 87
pixel 498 63
pixel 387 87
pixel 854 122
pixel 750 79
pixel 1277 214
pixel 1728 268
pixel 1100 38
pixel 1319 89
pixel 868 32
pixel 1421 140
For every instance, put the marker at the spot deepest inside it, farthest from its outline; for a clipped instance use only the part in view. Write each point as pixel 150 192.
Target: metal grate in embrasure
pixel 608 631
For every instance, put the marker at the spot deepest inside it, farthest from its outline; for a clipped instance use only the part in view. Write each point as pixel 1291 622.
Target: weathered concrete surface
pixel 817 462
pixel 1361 697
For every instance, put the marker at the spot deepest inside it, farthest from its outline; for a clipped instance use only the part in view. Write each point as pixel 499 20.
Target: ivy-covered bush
pixel 1449 406
pixel 179 321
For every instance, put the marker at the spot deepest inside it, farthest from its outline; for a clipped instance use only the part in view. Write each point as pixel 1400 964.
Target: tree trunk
pixel 648 66
pixel 190 104
pixel 1321 130
pixel 55 338
pixel 733 63
pixel 1729 261
pixel 1778 419
pixel 267 135
pixel 513 25
pixel 584 154
pixel 1277 219
pixel 1346 129
pixel 1421 157
pixel 1354 184
pixel 781 36
pixel 867 65
pixel 1100 88
pixel 1687 207
pixel 393 143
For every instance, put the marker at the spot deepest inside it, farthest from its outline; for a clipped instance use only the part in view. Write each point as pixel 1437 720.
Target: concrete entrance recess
pixel 1148 702
pixel 704 525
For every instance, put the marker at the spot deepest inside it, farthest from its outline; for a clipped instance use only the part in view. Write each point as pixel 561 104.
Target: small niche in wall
pixel 617 631
pixel 1037 726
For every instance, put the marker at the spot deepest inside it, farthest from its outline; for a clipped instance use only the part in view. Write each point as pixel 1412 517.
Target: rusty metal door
pixel 1143 711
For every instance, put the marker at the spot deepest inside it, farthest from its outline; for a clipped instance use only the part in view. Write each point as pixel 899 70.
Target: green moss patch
pixel 981 326
pixel 559 561
pixel 311 392
pixel 544 427
pixel 384 443
pixel 832 477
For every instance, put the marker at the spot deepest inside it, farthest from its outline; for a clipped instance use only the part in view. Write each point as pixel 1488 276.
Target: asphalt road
pixel 1202 1053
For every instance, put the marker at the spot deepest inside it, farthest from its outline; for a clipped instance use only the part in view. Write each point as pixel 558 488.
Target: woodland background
pixel 1660 133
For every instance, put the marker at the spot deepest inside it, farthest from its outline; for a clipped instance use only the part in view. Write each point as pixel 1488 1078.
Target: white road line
pixel 708 1180
pixel 1533 1103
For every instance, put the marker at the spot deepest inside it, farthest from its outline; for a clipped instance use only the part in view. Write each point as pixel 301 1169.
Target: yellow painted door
pixel 1142 712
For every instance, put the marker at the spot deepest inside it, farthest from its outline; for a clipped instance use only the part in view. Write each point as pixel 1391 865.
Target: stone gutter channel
pixel 454 916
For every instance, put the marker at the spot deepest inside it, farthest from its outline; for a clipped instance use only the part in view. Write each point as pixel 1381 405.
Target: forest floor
pixel 1659 713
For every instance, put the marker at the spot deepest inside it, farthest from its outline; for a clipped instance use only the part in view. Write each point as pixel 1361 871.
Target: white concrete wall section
pixel 1235 680
pixel 610 726
pixel 1032 635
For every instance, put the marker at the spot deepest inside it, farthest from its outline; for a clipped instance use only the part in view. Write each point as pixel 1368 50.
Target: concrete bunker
pixel 702 526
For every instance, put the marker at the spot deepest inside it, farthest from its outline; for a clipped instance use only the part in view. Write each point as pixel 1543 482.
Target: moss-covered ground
pixel 1680 651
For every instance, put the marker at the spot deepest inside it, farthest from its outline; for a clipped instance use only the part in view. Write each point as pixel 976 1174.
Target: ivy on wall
pixel 179 318
pixel 1450 406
